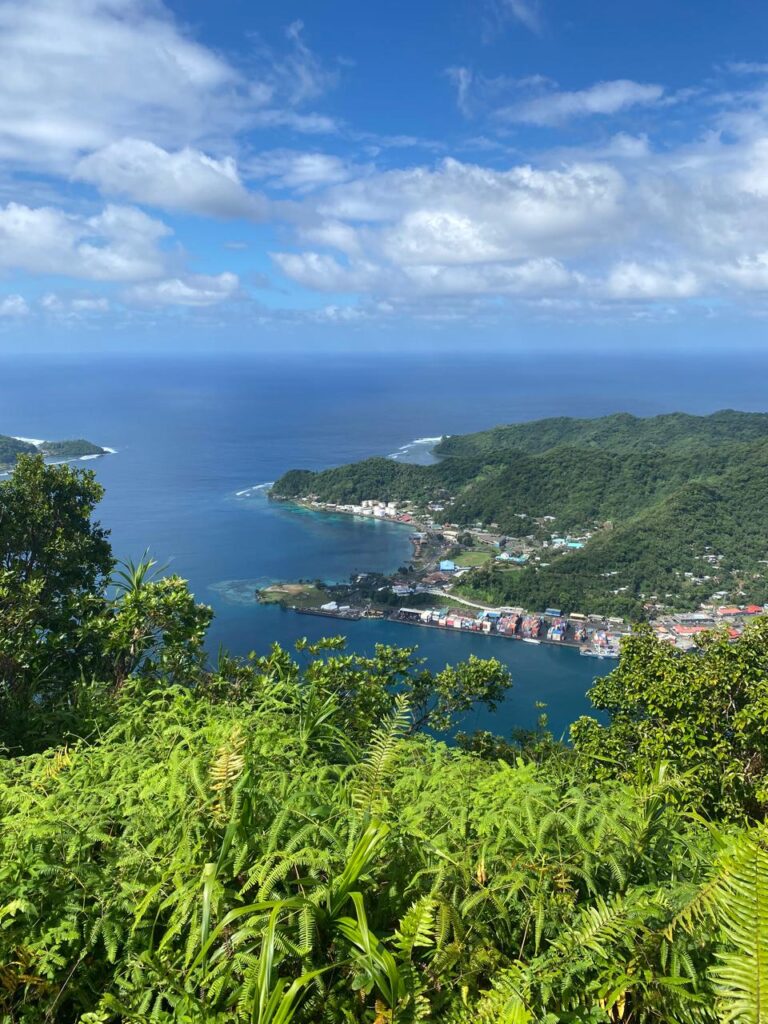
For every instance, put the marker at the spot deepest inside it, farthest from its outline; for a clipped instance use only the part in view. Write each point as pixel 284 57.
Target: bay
pixel 198 437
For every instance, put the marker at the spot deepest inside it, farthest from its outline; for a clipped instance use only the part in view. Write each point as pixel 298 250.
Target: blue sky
pixel 189 175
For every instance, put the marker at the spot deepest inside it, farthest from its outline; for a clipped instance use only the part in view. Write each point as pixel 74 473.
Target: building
pixel 447 565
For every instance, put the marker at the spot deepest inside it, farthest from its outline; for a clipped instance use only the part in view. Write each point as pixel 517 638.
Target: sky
pixel 440 173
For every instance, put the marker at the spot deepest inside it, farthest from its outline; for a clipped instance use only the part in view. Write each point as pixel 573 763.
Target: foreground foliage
pixel 277 839
pixel 210 859
pixel 707 714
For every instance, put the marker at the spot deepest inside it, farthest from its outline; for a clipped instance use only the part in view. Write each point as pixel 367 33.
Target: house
pixel 447 565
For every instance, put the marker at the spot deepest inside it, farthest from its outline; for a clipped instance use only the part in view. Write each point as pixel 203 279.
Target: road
pixel 472 604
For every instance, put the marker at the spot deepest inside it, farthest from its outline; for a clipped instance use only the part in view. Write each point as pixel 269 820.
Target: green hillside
pixel 11 448
pixel 656 494
pixel 620 432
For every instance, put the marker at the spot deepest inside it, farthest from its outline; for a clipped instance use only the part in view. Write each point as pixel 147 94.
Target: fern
pixel 373 770
pixel 741 978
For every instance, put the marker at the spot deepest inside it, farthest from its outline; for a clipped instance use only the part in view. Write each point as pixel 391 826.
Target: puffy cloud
pixel 630 280
pixel 752 175
pixel 119 244
pixel 323 272
pixel 13 306
pixel 184 180
pixel 192 290
pixel 523 278
pixel 463 213
pixel 617 223
pixel 748 272
pixel 79 75
pixel 458 228
pixel 78 72
pixel 552 108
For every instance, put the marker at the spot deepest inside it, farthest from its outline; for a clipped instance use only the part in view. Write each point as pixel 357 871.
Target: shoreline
pixel 355 615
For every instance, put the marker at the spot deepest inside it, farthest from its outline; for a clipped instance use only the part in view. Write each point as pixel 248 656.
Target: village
pixel 422 594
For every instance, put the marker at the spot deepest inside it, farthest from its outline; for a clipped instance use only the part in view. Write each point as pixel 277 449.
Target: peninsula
pixel 621 517
pixel 12 447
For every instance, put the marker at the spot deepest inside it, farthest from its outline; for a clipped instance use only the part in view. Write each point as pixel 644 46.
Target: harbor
pixel 592 639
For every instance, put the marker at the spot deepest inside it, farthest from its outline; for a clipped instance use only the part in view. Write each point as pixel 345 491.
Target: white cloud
pixel 523 278
pixel 79 75
pixel 631 280
pixel 119 244
pixel 299 171
pixel 323 272
pixel 752 174
pixel 73 307
pixel 748 272
pixel 183 180
pixel 301 73
pixel 463 79
pixel 674 226
pixel 457 229
pixel 192 290
pixel 464 213
pixel 13 306
pixel 552 108
pixel 527 12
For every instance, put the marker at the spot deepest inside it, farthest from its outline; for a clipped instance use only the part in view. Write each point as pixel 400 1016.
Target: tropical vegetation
pixel 292 838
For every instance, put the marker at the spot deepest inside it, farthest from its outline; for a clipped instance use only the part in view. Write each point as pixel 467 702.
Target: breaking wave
pixel 414 450
pixel 254 490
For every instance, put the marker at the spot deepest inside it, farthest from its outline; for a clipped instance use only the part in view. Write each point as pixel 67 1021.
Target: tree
pixel 54 564
pixel 703 713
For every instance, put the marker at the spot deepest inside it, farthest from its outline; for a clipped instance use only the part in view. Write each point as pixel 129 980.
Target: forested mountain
pixel 620 432
pixel 657 494
pixel 281 839
pixel 10 448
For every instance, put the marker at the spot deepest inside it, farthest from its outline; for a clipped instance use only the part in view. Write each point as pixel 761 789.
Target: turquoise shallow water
pixel 193 435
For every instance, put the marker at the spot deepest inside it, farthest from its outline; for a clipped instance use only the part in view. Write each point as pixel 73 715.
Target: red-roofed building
pixel 729 610
pixel 754 609
pixel 687 630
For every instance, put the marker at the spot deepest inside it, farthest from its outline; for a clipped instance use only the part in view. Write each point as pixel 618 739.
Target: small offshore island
pixel 12 447
pixel 561 530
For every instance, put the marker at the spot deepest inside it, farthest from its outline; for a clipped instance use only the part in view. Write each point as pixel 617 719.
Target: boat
pixel 592 653
pixel 530 640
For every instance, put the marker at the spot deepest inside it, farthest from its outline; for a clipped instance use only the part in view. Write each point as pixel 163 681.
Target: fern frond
pixel 741 979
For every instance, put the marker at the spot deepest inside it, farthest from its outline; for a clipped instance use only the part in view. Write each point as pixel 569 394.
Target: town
pixel 444 553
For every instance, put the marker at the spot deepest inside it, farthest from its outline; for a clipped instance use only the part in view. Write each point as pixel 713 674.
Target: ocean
pixel 198 439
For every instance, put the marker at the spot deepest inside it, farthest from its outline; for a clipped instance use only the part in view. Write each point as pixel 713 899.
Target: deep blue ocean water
pixel 192 434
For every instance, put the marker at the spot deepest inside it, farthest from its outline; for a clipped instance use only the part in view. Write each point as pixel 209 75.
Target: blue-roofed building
pixel 447 565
